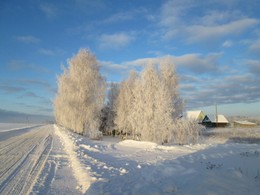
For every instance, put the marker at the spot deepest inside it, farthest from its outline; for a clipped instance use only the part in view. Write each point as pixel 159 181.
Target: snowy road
pixel 22 157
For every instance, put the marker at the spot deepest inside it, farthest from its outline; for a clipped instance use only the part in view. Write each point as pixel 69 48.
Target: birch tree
pixel 170 81
pixel 157 109
pixel 124 104
pixel 81 92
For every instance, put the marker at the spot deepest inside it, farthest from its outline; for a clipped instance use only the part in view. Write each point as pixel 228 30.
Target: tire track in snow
pixel 22 159
pixel 99 168
pixel 82 176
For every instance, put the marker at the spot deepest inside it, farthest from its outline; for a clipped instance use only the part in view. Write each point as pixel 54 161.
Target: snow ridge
pixel 82 176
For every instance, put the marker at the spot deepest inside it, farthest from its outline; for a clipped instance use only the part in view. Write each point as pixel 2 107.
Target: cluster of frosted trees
pixel 146 106
pixel 149 107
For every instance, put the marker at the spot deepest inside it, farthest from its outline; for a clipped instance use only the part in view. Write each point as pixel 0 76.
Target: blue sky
pixel 215 46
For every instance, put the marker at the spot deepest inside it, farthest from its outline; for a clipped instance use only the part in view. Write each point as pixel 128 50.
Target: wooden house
pixel 213 121
pixel 196 115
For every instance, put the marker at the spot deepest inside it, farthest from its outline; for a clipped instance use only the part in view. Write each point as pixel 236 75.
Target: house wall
pixel 221 124
pixel 201 116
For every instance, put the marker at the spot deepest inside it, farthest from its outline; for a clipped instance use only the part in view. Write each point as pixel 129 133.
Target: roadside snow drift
pixel 80 172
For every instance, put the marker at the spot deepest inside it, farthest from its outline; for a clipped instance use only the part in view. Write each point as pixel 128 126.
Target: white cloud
pixel 112 66
pixel 173 11
pixel 156 53
pixel 177 19
pixel 11 89
pixel 143 61
pixel 214 17
pixel 221 90
pixel 255 46
pixel 199 32
pixel 122 16
pixel 125 15
pixel 83 5
pixel 49 10
pixel 20 65
pixel 28 39
pixel 193 63
pixel 50 52
pixel 254 66
pixel 113 70
pixel 116 40
pixel 47 52
pixel 227 44
pixel 198 63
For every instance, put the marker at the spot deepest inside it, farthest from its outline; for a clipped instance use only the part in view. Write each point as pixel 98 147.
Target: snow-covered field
pixel 8 130
pixel 12 126
pixel 51 160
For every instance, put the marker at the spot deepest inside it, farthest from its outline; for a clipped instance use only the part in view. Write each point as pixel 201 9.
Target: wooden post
pixel 216 115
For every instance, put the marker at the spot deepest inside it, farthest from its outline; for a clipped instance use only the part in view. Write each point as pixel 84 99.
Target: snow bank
pixel 89 148
pixel 153 146
pixel 82 176
pixel 137 144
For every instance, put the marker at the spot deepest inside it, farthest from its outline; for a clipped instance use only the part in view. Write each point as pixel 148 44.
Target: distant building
pixel 196 115
pixel 244 124
pixel 213 121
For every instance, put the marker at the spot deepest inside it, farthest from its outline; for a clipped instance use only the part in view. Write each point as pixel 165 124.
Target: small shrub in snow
pixel 95 135
pixel 212 166
pixel 250 154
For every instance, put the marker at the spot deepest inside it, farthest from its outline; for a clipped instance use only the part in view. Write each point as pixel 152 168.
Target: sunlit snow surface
pixel 129 167
pixel 73 164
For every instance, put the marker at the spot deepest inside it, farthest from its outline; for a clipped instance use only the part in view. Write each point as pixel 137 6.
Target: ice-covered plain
pixel 51 160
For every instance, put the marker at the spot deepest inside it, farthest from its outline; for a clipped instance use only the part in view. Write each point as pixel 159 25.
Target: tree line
pixel 146 106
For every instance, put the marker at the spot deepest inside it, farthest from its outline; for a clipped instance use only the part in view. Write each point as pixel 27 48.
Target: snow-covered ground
pixel 65 163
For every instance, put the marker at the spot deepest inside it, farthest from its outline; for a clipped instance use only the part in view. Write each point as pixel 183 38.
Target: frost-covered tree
pixel 124 105
pixel 170 81
pixel 80 97
pixel 152 110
